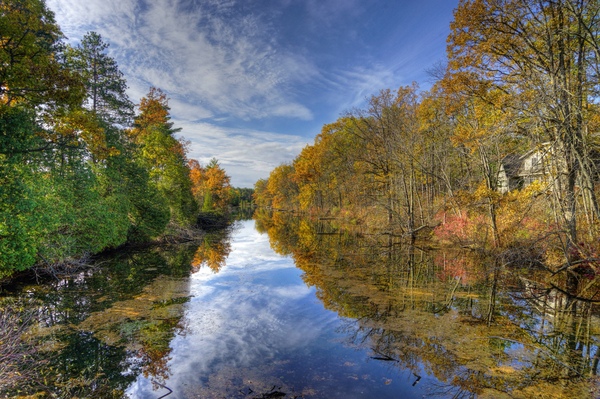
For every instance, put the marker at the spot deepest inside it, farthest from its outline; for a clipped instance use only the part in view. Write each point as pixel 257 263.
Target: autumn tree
pixel 197 177
pixel 445 164
pixel 261 193
pixel 310 176
pixel 32 68
pixel 163 155
pixel 329 173
pixel 210 185
pixel 391 148
pixel 486 129
pixel 282 190
pixel 545 52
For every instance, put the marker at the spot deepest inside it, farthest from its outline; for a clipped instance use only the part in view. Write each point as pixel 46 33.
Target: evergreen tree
pixel 208 203
pixel 104 81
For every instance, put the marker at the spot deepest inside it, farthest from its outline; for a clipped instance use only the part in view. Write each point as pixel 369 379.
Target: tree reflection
pixel 106 327
pixel 214 251
pixel 477 327
pixel 154 354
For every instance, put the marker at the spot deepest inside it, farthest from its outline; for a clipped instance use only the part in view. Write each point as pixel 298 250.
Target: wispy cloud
pixel 203 52
pixel 261 65
pixel 245 154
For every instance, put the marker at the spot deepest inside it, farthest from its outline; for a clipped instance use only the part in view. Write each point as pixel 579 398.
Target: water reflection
pixel 282 307
pixel 103 328
pixel 477 328
pixel 213 251
pixel 240 323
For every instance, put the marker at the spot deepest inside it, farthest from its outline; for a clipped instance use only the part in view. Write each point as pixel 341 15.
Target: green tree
pixel 164 156
pixel 32 70
pixel 123 178
pixel 104 82
pixel 207 205
pixel 35 86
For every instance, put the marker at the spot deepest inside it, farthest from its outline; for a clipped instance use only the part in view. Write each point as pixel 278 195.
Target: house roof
pixel 512 164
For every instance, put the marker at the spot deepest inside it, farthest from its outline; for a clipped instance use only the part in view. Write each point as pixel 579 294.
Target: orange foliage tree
pixel 210 184
pixel 281 188
pixel 163 154
pixel 546 53
pixel 261 193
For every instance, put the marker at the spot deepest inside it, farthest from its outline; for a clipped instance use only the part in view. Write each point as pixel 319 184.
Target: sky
pixel 251 82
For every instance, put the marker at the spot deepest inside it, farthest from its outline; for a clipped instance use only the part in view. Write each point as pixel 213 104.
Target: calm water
pixel 280 307
pixel 256 327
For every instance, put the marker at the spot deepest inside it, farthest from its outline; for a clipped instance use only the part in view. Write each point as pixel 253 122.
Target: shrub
pixel 462 229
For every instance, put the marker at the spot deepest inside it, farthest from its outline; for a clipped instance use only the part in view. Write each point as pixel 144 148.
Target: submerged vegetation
pixel 94 333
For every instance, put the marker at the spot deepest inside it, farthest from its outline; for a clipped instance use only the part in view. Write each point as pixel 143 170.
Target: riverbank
pixel 70 266
pixel 574 271
pixel 289 306
pixel 174 235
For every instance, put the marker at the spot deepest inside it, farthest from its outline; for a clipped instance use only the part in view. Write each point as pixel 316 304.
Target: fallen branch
pixel 163 386
pixel 63 268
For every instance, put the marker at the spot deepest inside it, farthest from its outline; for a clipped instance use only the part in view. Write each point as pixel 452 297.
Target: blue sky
pixel 252 82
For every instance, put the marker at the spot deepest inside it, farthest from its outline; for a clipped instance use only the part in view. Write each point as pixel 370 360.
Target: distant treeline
pixel 503 147
pixel 240 196
pixel 82 168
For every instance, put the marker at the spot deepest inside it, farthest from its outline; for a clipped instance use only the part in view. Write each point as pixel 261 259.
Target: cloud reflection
pixel 242 316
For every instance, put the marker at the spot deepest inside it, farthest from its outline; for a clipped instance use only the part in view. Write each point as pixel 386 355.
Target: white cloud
pixel 293 292
pixel 75 17
pixel 364 82
pixel 182 110
pixel 242 63
pixel 205 55
pixel 292 110
pixel 245 154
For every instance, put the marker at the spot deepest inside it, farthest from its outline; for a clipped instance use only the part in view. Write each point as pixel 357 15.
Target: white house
pixel 539 164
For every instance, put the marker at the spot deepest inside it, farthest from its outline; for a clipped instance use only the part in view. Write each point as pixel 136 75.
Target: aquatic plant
pixel 19 365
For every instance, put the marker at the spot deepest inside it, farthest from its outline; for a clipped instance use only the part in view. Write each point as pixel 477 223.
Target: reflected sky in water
pixel 255 328
pixel 342 316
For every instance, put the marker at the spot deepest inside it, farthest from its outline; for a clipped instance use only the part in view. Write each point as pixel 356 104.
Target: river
pixel 281 307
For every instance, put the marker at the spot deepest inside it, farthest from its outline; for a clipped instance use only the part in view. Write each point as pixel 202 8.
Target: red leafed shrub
pixel 587 259
pixel 462 229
